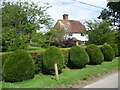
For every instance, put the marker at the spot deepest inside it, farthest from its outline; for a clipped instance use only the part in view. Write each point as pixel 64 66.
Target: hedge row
pixel 75 57
pixel 108 52
pixel 19 66
pixel 78 57
pixel 95 54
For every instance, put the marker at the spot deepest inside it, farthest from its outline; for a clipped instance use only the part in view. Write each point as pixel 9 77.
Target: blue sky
pixel 76 10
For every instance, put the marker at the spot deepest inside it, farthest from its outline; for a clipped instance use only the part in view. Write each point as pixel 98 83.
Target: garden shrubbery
pixel 95 54
pixel 4 57
pixel 51 56
pixel 115 48
pixel 66 56
pixel 118 49
pixel 38 59
pixel 108 52
pixel 19 66
pixel 78 57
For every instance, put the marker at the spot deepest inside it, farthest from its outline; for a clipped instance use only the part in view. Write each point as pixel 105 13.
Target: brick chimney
pixel 65 16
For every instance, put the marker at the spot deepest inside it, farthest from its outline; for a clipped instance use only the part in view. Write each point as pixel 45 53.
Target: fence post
pixel 56 72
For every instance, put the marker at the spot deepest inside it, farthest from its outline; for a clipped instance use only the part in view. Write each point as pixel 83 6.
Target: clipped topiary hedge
pixel 19 66
pixel 51 56
pixel 78 57
pixel 95 54
pixel 115 48
pixel 4 57
pixel 108 52
pixel 66 56
pixel 38 59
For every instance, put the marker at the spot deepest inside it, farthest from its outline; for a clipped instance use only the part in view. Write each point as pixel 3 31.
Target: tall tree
pixel 20 19
pixel 100 32
pixel 112 12
pixel 55 36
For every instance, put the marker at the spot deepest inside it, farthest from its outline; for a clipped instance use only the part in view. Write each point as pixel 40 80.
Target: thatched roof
pixel 70 26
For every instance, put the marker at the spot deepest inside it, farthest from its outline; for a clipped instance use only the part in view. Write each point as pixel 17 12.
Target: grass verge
pixel 67 77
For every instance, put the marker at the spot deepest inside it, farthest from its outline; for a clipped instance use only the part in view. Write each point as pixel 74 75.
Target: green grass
pixel 67 77
pixel 30 49
pixel 34 48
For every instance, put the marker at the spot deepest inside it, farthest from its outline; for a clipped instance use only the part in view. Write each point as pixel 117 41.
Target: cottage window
pixel 82 34
pixel 70 34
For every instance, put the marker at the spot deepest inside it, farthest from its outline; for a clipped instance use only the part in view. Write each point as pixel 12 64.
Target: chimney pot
pixel 65 16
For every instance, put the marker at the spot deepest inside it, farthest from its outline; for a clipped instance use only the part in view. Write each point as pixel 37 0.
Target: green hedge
pixel 95 54
pixel 118 49
pixel 115 48
pixel 51 56
pixel 66 56
pixel 38 59
pixel 19 66
pixel 4 57
pixel 108 52
pixel 78 57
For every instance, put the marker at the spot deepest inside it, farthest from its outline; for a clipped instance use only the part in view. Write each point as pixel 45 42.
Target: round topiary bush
pixel 115 48
pixel 95 54
pixel 78 57
pixel 19 66
pixel 51 56
pixel 108 52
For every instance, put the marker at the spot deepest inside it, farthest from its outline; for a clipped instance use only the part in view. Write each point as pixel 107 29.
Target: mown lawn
pixel 34 48
pixel 66 77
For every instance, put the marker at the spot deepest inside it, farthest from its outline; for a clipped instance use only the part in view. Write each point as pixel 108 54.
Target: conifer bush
pixel 78 57
pixel 108 52
pixel 115 48
pixel 51 56
pixel 95 54
pixel 18 66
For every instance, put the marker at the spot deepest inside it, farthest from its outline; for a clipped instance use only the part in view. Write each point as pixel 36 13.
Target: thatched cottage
pixel 74 29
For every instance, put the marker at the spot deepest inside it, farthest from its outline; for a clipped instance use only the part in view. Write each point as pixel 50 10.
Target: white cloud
pixel 77 11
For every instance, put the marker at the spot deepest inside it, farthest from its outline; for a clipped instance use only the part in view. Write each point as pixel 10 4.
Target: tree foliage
pixel 55 37
pixel 22 19
pixel 112 12
pixel 99 32
pixel 38 39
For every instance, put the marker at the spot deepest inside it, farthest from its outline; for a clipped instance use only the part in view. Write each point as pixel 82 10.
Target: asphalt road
pixel 110 81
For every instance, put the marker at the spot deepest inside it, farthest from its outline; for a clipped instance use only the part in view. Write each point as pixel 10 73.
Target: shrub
pixel 118 49
pixel 4 57
pixel 51 56
pixel 115 48
pixel 66 56
pixel 78 57
pixel 95 54
pixel 19 66
pixel 108 52
pixel 38 59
